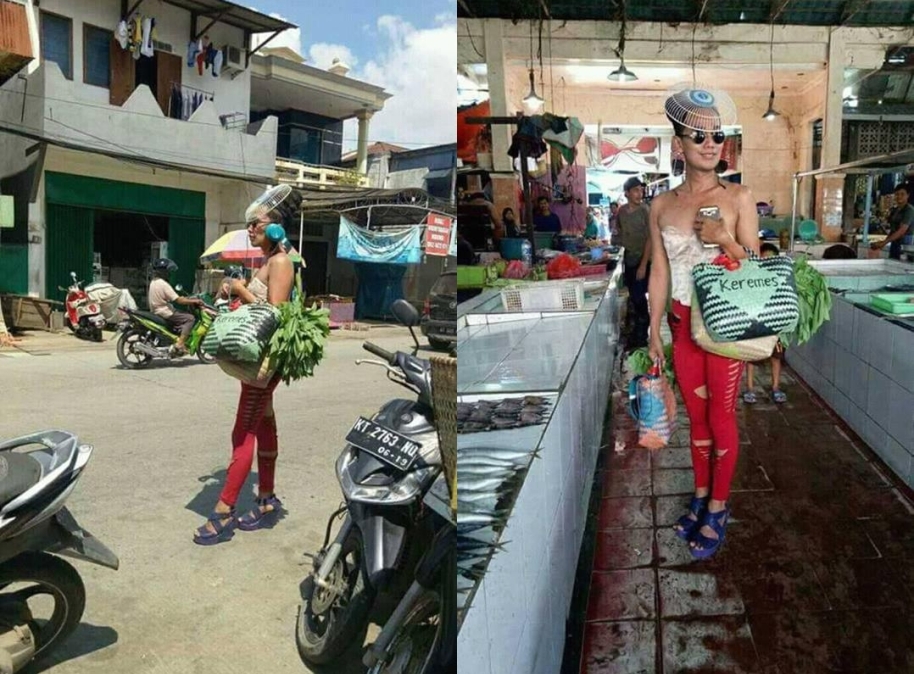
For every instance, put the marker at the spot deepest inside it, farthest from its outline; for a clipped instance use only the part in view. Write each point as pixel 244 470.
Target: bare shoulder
pixel 662 200
pixel 743 194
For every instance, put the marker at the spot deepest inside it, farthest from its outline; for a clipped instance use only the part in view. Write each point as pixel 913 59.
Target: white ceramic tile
pixel 842 319
pixel 473 641
pixel 856 418
pixel 903 357
pixel 842 377
pixel 875 436
pixel 880 347
pixel 859 374
pixel 900 423
pixel 897 458
pixel 878 396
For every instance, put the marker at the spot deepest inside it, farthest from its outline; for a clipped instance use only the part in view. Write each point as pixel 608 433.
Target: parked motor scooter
pixel 42 597
pixel 147 336
pixel 390 461
pixel 421 635
pixel 83 316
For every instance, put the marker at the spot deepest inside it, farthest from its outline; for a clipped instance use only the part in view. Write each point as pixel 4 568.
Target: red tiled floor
pixel 632 458
pixel 624 549
pixel 628 512
pixel 620 648
pixel 715 646
pixel 816 574
pixel 622 595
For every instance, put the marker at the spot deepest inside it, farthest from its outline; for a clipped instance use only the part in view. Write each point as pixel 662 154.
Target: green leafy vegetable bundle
pixel 297 346
pixel 815 302
pixel 639 362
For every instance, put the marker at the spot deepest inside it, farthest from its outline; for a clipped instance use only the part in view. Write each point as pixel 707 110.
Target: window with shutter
pixel 57 42
pixel 97 56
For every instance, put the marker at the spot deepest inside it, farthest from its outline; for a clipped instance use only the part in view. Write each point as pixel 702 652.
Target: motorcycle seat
pixel 155 318
pixel 18 473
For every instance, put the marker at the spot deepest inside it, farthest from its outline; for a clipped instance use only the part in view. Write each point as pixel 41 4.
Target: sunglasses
pixel 699 137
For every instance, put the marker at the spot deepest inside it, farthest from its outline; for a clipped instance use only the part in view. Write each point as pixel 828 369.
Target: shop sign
pixel 437 235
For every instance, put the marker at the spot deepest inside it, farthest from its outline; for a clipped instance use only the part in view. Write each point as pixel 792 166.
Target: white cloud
pixel 416 66
pixel 291 37
pixel 322 54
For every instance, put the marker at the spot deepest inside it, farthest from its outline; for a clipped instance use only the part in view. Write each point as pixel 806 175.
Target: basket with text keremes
pixel 652 403
pixel 746 299
pixel 238 340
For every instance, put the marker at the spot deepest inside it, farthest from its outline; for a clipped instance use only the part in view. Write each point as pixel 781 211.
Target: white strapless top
pixel 684 250
pixel 258 289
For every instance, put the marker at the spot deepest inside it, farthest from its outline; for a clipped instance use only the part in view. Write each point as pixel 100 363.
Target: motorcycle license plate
pixel 384 444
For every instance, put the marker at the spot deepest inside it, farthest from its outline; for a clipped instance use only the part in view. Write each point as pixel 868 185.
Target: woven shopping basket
pixel 444 401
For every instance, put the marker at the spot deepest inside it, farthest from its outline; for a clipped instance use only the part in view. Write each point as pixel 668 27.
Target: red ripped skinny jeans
pixel 709 384
pixel 252 425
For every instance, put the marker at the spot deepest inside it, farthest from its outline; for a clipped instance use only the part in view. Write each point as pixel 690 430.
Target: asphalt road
pixel 161 438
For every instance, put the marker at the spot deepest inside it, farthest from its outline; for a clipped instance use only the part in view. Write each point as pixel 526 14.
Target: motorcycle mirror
pixel 179 288
pixel 406 313
pixel 73 275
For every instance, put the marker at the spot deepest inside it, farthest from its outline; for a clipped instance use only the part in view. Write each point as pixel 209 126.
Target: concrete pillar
pixel 361 164
pixel 830 188
pixel 498 94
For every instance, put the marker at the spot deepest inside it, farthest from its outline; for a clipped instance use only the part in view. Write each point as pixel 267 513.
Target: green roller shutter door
pixel 69 245
pixel 185 246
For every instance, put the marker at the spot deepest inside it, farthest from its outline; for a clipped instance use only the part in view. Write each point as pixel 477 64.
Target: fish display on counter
pixel 499 415
pixel 488 480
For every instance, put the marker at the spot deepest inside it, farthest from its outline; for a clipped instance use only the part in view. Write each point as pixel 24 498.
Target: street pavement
pixel 161 438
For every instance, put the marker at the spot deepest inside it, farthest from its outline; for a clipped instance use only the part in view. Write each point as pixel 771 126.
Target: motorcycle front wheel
pixel 129 357
pixel 203 356
pixel 330 622
pixel 46 593
pixel 414 648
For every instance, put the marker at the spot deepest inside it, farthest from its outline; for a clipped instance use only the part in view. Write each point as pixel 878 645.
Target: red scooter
pixel 84 317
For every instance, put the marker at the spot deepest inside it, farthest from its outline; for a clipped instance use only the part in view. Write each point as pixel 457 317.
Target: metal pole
pixel 301 230
pixel 868 208
pixel 793 216
pixel 528 204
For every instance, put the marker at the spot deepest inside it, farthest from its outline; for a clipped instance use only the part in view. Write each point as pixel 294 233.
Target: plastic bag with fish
pixel 652 404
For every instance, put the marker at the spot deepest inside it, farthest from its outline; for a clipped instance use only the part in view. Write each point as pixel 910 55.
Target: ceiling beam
pixel 777 8
pixel 851 8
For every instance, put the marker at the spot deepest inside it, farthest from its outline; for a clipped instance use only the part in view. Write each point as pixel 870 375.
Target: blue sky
pixel 408 47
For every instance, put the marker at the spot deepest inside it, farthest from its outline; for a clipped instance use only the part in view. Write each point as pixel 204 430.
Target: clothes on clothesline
pixel 202 54
pixel 136 35
pixel 184 101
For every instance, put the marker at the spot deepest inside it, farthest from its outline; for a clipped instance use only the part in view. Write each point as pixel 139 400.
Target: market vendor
pixel 545 220
pixel 634 219
pixel 901 221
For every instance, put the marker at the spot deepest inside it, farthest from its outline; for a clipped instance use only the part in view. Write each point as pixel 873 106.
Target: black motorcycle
pixel 42 597
pixel 389 463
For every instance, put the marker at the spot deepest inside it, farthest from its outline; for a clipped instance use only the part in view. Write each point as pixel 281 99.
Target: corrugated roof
pixel 794 12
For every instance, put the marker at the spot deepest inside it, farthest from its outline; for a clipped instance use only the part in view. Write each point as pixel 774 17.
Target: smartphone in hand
pixel 713 213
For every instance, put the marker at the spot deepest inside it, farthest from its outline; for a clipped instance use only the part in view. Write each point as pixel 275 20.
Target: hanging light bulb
pixel 532 100
pixel 771 113
pixel 622 74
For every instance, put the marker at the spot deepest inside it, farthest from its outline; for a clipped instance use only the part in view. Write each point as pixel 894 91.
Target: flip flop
pixel 779 397
pixel 749 398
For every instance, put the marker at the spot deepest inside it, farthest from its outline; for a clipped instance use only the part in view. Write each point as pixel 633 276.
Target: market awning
pixel 377 207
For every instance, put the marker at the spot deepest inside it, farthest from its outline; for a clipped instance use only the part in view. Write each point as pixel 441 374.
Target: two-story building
pixel 128 136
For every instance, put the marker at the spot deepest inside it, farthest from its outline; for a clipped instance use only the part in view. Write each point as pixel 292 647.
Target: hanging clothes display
pixel 217 63
pixel 146 47
pixel 363 245
pixel 185 100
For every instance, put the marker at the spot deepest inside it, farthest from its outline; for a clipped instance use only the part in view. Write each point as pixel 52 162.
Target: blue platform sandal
pixel 685 525
pixel 258 519
pixel 704 547
pixel 221 531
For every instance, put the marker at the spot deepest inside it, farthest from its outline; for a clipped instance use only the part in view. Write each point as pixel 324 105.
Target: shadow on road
pixel 157 364
pixel 85 639
pixel 203 502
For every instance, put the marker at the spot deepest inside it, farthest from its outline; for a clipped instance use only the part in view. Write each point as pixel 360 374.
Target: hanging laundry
pixel 135 37
pixel 146 47
pixel 192 51
pixel 217 63
pixel 120 33
pixel 201 57
pixel 210 55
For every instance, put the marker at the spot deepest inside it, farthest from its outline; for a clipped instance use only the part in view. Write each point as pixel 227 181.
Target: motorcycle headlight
pixel 402 490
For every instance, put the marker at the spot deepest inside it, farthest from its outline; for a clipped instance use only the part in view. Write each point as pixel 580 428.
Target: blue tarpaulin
pixel 379 286
pixel 362 245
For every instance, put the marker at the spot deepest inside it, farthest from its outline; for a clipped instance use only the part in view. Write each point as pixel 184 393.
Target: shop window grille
pixel 544 296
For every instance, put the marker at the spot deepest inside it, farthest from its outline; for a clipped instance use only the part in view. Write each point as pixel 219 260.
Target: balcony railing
pixel 301 174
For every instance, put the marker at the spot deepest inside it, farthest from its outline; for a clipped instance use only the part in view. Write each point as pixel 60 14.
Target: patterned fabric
pixel 756 300
pixel 684 250
pixel 652 404
pixel 751 350
pixel 242 335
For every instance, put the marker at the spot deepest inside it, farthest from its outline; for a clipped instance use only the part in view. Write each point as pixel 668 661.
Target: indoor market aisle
pixel 816 574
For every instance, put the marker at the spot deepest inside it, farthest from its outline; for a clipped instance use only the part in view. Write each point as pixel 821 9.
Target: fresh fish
pixel 470 509
pixel 479 473
pixel 482 532
pixel 470 560
pixel 478 518
pixel 497 452
pixel 535 400
pixel 472 427
pixel 471 574
pixel 489 484
pixel 467 545
pixel 464 585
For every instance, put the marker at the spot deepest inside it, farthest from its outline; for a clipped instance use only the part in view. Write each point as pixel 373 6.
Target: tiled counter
pixel 516 622
pixel 861 363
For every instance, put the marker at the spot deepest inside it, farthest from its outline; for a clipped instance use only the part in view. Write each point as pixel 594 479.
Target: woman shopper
pixel 680 239
pixel 255 422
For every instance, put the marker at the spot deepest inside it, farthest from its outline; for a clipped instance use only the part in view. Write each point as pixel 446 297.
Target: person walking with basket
pixel 255 422
pixel 681 238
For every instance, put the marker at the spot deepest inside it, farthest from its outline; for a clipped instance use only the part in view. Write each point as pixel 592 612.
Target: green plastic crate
pixel 471 277
pixel 894 303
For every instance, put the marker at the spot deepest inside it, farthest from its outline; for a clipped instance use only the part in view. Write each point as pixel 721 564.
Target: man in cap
pixel 634 226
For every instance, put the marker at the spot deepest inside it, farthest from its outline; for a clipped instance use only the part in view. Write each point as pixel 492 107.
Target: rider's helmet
pixel 162 266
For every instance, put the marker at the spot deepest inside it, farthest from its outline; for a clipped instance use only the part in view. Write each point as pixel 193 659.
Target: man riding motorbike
pixel 162 295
